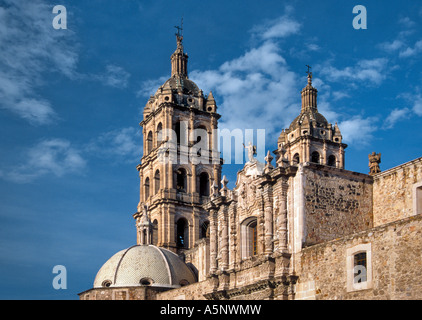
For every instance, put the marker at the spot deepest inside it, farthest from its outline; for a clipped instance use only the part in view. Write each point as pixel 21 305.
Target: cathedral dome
pixel 144 265
pixel 182 84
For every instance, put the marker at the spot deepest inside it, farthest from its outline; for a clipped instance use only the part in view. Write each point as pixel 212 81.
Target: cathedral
pixel 299 226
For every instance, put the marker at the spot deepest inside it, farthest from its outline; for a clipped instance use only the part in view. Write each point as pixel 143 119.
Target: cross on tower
pixel 179 33
pixel 309 68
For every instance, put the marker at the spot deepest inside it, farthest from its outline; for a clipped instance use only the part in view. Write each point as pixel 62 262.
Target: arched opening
pixel 146 188
pixel 249 237
pixel 204 184
pixel 156 181
pixel 149 142
pixel 315 157
pixel 155 232
pixel 331 161
pixel 204 232
pixel 182 233
pixel 296 159
pixel 159 133
pixel 181 180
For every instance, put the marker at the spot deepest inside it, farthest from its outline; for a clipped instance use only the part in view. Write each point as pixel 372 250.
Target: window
pixel 146 281
pixel 182 233
pixel 296 159
pixel 181 178
pixel 149 142
pixel 146 188
pixel 249 237
pixel 156 181
pixel 359 269
pixel 204 184
pixel 106 283
pixel 417 198
pixel 204 232
pixel 159 133
pixel 315 157
pixel 254 245
pixel 331 161
pixel 155 232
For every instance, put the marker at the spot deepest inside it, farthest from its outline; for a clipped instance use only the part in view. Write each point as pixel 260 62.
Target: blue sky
pixel 71 101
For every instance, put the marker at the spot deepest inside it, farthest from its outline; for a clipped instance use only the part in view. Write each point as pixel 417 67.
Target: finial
pixel 179 34
pixel 309 74
pixel 268 165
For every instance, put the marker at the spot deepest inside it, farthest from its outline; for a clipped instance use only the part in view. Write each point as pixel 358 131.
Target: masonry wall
pixel 336 202
pixel 193 291
pixel 396 264
pixel 394 192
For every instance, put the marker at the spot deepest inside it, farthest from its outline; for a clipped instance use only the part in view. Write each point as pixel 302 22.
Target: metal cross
pixel 179 30
pixel 309 67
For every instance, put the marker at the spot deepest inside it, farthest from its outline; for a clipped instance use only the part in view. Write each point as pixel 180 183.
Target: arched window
pixel 204 184
pixel 178 132
pixel 296 159
pixel 149 142
pixel 159 133
pixel 155 232
pixel 315 157
pixel 181 180
pixel 156 181
pixel 204 232
pixel 331 161
pixel 249 237
pixel 146 188
pixel 182 233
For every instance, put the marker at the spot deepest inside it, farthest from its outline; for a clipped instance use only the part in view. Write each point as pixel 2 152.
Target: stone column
pixel 268 218
pixel 213 240
pixel 224 244
pixel 282 224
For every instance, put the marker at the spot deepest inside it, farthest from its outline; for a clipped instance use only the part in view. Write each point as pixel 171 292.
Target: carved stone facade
pixel 301 228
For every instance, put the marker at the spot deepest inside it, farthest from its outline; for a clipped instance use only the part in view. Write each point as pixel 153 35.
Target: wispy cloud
pixel 49 157
pixel 114 76
pixel 411 51
pixel 30 47
pixel 366 71
pixel 358 130
pixel 123 144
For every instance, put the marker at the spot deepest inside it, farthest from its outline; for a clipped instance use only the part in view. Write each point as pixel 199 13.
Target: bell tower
pixel 180 165
pixel 310 138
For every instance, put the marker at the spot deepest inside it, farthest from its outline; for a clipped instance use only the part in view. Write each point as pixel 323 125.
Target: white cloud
pixel 409 51
pixel 369 71
pixel 121 144
pixel 114 76
pixel 358 130
pixel 395 116
pixel 31 47
pixel 256 85
pixel 277 28
pixel 52 156
pixel 417 105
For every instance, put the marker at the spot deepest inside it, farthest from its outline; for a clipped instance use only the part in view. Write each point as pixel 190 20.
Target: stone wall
pixel 198 258
pixel 193 291
pixel 395 192
pixel 394 258
pixel 336 202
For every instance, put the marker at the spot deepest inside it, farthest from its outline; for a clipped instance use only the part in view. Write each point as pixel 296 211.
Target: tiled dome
pixel 144 265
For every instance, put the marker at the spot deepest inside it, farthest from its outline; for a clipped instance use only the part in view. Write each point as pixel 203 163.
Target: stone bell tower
pixel 310 138
pixel 180 166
